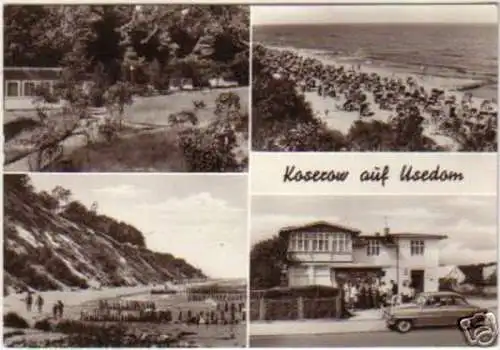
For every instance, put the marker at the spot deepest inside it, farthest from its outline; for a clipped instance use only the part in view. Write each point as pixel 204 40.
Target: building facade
pixel 328 254
pixel 21 84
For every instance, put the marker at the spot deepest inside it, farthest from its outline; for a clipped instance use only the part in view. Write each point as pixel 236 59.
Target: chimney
pixel 386 228
pixel 377 234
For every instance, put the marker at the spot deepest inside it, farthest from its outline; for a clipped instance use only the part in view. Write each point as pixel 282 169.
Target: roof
pixel 402 235
pixel 440 294
pixel 418 235
pixel 314 224
pixel 31 73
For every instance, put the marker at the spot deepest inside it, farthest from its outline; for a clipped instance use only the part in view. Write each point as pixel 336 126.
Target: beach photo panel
pixel 369 78
pixel 125 260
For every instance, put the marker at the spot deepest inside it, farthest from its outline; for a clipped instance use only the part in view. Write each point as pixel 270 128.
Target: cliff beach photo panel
pixel 359 271
pixel 126 88
pixel 124 261
pixel 364 78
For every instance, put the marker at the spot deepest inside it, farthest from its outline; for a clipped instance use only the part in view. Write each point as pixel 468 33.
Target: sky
pixel 201 218
pixel 374 14
pixel 470 222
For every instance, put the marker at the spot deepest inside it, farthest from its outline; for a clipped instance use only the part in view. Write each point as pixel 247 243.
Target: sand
pixel 325 107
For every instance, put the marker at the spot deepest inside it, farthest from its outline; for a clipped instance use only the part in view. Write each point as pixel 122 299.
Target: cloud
pixel 195 210
pixel 127 191
pixel 457 253
pixel 472 235
pixel 419 213
pixel 471 202
pixel 204 230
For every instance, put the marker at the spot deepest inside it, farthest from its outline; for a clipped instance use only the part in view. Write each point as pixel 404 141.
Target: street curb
pixel 334 327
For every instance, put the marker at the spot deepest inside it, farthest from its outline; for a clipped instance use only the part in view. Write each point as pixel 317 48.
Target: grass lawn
pixel 145 151
pixel 156 109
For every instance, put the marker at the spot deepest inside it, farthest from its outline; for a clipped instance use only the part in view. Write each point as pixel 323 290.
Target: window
pixel 459 301
pixel 417 247
pixel 341 243
pixel 12 89
pixel 45 86
pixel 373 248
pixel 29 88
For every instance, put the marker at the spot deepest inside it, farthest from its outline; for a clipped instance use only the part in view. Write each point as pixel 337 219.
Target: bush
pixel 13 320
pixel 43 325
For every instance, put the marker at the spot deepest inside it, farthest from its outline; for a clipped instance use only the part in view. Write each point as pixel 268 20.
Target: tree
pixel 267 260
pixel 48 201
pixel 62 195
pixel 18 182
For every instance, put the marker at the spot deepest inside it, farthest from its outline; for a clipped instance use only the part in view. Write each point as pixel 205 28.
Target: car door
pixel 462 309
pixel 449 312
pixel 429 314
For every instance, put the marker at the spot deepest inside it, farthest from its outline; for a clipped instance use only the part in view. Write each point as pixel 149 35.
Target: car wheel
pixel 404 326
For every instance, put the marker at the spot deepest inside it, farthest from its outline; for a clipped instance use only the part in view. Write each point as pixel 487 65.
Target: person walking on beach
pixel 60 307
pixel 55 309
pixel 39 303
pixel 29 301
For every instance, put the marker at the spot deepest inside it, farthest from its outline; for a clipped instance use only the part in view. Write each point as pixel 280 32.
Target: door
pixel 417 280
pixel 436 312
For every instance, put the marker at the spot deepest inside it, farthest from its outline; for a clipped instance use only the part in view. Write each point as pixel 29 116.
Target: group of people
pixel 372 293
pixel 38 301
pixel 147 311
pixel 365 93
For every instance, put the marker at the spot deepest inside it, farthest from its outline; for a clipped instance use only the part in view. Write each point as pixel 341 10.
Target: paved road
pixel 421 337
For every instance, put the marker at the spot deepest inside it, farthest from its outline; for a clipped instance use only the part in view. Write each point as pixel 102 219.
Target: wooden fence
pixel 299 308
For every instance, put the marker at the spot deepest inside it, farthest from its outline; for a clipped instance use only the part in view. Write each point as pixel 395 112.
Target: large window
pixel 12 88
pixel 417 247
pixel 321 242
pixel 373 248
pixel 29 88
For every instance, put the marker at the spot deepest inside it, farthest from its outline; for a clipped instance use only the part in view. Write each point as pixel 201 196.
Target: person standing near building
pixel 394 293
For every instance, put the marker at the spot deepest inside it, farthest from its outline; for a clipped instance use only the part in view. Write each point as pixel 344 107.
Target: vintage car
pixel 430 309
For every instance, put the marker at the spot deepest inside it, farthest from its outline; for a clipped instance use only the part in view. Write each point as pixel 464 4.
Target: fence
pixel 263 309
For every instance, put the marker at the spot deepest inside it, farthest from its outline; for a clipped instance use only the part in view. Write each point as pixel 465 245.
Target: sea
pixel 464 51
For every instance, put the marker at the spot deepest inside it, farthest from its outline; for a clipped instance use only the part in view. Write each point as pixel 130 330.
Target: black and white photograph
pixel 372 271
pixel 388 78
pixel 126 88
pixel 125 261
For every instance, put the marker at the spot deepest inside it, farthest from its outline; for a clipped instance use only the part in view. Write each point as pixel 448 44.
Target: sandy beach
pixel 328 108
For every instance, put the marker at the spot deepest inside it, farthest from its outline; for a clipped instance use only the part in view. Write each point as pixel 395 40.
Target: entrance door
pixel 417 280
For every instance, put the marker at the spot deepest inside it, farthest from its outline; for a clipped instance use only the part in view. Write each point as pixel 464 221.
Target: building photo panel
pixel 325 270
pixel 124 261
pixel 364 78
pixel 126 88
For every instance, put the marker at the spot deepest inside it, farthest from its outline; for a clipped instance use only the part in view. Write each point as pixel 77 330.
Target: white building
pixel 326 254
pixel 452 272
pixel 20 84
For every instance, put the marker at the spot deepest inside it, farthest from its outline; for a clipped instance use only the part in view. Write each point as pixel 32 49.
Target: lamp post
pixel 132 68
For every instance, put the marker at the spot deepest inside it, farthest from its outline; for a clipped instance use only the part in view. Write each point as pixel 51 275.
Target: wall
pixel 309 275
pixel 388 260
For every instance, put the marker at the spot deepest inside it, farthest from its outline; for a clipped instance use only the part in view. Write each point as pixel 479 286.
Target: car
pixel 430 309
